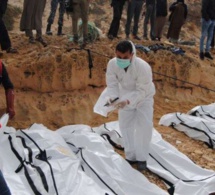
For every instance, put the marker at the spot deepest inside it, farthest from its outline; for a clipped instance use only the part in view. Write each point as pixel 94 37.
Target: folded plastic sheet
pixel 205 111
pixel 61 167
pixel 180 174
pixel 104 165
pixel 195 127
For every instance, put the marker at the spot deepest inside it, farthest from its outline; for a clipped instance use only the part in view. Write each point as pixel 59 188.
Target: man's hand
pixel 122 104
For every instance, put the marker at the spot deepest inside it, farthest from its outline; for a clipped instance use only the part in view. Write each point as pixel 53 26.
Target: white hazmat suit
pixel 136 118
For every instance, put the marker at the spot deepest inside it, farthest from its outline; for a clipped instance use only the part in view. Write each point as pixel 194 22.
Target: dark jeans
pixel 4 37
pixel 212 42
pixel 150 15
pixel 134 10
pixel 117 13
pixel 4 190
pixel 54 4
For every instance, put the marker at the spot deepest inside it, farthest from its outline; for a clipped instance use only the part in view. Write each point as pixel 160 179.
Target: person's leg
pixel 130 13
pixel 144 127
pixel 126 124
pixel 152 22
pixel 146 20
pixel 117 12
pixel 4 37
pixel 4 190
pixel 137 12
pixel 159 24
pixel 204 32
pixel 54 4
pixel 75 22
pixel 210 36
pixel 60 19
pixel 39 37
pixel 212 42
pixel 84 5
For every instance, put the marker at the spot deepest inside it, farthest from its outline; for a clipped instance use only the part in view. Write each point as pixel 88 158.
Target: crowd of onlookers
pixel 155 12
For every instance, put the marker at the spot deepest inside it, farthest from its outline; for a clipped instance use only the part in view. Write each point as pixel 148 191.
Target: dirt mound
pixel 53 84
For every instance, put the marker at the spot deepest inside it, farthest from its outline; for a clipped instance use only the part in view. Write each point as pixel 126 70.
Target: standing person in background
pixel 129 78
pixel 117 14
pixel 161 13
pixel 133 11
pixel 4 37
pixel 150 15
pixel 208 23
pixel 54 4
pixel 177 19
pixel 83 6
pixel 32 20
pixel 9 93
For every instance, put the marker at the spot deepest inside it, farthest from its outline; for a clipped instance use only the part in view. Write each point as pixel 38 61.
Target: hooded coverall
pixel 136 118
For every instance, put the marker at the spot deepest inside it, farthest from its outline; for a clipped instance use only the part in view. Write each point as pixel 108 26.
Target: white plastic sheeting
pixel 105 166
pixel 205 111
pixel 89 166
pixel 195 127
pixel 181 175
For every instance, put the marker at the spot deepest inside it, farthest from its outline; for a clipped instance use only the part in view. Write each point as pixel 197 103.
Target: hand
pixel 110 101
pixel 122 104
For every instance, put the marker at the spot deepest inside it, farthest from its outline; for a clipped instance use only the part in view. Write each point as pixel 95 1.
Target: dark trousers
pixel 4 190
pixel 212 42
pixel 150 16
pixel 134 10
pixel 54 4
pixel 117 13
pixel 4 37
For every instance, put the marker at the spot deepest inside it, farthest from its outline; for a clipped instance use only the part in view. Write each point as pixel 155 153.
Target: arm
pixel 172 7
pixel 112 81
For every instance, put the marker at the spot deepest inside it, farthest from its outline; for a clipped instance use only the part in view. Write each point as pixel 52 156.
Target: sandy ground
pixel 52 86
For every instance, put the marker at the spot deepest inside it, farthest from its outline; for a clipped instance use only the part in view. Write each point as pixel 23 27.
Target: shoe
pixel 59 32
pixel 32 40
pixel 136 37
pixel 49 33
pixel 141 165
pixel 40 39
pixel 11 50
pixel 201 55
pixel 111 37
pixel 131 162
pixel 208 55
pixel 75 39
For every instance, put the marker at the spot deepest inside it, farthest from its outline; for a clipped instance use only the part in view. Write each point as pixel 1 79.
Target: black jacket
pixel 208 9
pixel 3 7
pixel 161 9
pixel 5 80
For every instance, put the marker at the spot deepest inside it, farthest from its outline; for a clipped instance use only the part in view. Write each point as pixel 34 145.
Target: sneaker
pixel 201 55
pixel 75 39
pixel 131 162
pixel 141 165
pixel 136 37
pixel 208 55
pixel 49 33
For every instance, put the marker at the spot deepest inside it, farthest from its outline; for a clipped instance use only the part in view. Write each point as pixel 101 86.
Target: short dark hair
pixel 124 46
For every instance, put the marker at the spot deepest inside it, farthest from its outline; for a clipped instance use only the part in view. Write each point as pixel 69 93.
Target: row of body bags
pixel 74 160
pixel 79 160
pixel 198 123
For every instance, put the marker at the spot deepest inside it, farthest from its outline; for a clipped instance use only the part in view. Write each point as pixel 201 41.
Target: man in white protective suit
pixel 129 78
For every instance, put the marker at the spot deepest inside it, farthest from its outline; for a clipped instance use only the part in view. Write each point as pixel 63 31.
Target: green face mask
pixel 123 63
